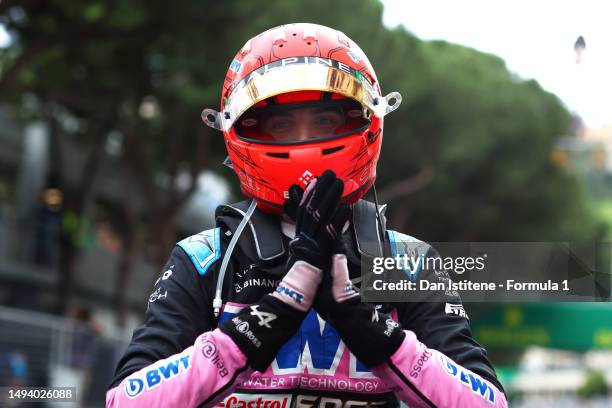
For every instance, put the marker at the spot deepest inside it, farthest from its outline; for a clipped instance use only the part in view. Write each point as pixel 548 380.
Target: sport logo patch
pixel 165 275
pixel 235 66
pixel 391 326
pixel 356 58
pixel 306 177
pixel 134 387
pixel 455 309
pixel 247 271
pixel 293 294
pixel 151 378
pixel 209 351
pixel 244 328
pixel 256 283
pixel 157 295
pixel 255 401
pixel 331 402
pixel 418 366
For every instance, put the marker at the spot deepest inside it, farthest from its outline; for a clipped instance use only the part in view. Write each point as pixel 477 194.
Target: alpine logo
pixel 264 317
pixel 305 60
pixel 455 309
pixel 166 370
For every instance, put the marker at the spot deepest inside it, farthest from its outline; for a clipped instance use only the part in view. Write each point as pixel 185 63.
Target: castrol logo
pixel 256 401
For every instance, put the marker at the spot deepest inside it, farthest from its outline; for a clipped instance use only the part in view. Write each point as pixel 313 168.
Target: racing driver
pixel 264 310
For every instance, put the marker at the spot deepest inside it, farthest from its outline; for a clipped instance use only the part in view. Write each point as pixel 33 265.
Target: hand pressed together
pixel 260 330
pixel 319 218
pixel 320 221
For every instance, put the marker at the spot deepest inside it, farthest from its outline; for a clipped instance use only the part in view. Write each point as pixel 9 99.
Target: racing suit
pixel 178 358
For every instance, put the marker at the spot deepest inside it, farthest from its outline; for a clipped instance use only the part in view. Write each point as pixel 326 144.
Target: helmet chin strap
pixel 218 302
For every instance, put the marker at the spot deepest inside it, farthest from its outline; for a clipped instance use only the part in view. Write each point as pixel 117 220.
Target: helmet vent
pixel 279 155
pixel 332 150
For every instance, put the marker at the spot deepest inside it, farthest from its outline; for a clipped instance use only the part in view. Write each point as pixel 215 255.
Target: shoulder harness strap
pixel 365 226
pixel 264 239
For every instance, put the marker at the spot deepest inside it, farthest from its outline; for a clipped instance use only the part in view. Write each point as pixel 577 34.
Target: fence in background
pixel 43 350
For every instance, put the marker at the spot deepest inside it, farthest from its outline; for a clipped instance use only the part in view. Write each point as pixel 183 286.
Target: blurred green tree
pixel 466 157
pixel 137 70
pixel 594 386
pixel 479 140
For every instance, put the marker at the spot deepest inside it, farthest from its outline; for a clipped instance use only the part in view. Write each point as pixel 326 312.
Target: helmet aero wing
pixel 297 100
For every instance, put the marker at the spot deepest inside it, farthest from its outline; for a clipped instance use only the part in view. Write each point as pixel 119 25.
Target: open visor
pixel 303 121
pixel 299 74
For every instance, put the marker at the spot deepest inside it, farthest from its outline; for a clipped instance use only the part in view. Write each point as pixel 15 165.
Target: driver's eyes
pixel 324 121
pixel 328 120
pixel 280 125
pixel 301 124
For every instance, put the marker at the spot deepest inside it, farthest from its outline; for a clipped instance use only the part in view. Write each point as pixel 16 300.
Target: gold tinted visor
pixel 317 74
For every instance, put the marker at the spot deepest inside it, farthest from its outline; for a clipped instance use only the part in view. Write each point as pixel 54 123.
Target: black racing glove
pixel 372 336
pixel 319 219
pixel 261 330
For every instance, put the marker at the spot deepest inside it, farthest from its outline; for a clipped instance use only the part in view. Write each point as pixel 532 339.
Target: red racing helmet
pixel 297 100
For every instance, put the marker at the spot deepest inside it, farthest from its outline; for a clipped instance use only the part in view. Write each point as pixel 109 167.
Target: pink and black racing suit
pixel 179 358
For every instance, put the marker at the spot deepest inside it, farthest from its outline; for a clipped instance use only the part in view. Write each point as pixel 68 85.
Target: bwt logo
pixel 134 387
pixel 154 376
pixel 477 384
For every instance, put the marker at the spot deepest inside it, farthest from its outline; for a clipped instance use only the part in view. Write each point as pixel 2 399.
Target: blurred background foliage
pixel 466 157
pixel 472 139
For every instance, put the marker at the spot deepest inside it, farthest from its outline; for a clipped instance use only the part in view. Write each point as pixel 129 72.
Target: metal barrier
pixel 37 349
